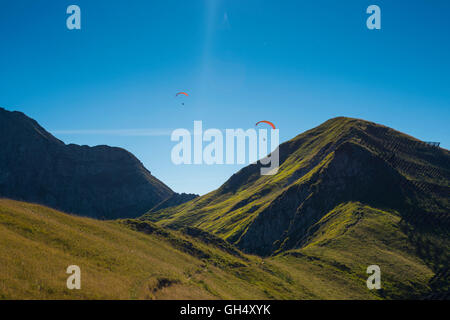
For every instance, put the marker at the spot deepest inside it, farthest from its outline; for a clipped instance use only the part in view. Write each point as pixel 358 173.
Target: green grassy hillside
pixel 351 237
pixel 341 160
pixel 401 184
pixel 133 259
pixel 37 244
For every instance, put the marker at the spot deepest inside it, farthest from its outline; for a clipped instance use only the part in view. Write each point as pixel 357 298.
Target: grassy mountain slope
pixel 134 259
pixel 353 236
pixel 341 160
pixel 37 244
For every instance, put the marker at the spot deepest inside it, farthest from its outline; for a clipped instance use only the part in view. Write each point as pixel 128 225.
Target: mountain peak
pixel 101 181
pixel 342 160
pixel 23 128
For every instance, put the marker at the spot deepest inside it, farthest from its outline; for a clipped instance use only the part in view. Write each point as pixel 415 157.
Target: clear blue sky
pixel 296 63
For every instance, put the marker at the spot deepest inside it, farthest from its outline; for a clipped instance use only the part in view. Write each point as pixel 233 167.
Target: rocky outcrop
pixel 101 182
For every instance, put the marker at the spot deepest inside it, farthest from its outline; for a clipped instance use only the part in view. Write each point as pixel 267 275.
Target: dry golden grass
pixel 37 244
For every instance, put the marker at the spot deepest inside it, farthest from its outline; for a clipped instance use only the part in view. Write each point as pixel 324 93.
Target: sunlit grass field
pixel 37 244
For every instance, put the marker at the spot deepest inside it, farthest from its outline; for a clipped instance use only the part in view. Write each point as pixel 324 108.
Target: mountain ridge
pixel 343 160
pixel 349 194
pixel 101 181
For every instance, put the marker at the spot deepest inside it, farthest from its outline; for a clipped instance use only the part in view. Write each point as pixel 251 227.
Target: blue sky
pixel 295 63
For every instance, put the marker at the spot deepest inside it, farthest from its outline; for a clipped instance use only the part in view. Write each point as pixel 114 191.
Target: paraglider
pixel 268 122
pixel 182 93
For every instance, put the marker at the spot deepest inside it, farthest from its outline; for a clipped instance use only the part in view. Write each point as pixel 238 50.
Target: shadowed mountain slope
pixel 102 182
pixel 174 200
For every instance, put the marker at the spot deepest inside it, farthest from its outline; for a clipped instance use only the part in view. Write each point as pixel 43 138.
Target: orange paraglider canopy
pixel 182 93
pixel 265 121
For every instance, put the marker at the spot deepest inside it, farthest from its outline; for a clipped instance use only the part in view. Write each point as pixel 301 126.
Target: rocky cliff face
pixel 102 182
